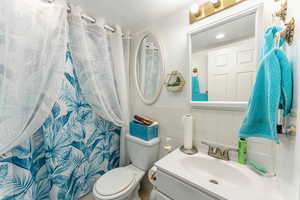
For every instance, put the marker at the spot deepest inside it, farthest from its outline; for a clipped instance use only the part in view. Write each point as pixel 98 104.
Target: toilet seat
pixel 115 183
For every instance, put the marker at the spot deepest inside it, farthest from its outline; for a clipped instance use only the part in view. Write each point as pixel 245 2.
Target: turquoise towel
pixel 196 95
pixel 273 89
pixel 195 85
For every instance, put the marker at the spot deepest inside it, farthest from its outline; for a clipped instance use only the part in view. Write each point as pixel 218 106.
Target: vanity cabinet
pixel 171 188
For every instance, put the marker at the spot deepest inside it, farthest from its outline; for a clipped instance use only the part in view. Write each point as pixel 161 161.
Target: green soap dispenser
pixel 242 154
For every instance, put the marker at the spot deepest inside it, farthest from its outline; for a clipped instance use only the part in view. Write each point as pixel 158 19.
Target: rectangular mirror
pixel 223 61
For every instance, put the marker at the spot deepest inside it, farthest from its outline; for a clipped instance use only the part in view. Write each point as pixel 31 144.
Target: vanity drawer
pixel 177 189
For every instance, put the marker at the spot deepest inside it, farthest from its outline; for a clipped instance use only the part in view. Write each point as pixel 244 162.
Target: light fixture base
pixel 212 7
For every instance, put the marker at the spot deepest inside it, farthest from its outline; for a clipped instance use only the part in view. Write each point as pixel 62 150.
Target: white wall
pixel 216 126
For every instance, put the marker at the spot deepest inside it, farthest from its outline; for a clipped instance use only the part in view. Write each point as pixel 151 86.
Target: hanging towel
pixel 195 85
pixel 196 95
pixel 273 89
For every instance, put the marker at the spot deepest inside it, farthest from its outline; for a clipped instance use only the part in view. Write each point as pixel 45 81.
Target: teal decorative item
pixel 258 167
pixel 142 131
pixel 196 95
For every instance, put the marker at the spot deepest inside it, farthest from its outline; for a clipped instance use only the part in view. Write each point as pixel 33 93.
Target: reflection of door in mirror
pixel 224 61
pixel 231 71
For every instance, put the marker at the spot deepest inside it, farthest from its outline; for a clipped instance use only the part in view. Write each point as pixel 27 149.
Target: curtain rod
pixel 93 20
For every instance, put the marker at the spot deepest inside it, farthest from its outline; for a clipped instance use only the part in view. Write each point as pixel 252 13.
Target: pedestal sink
pixel 216 179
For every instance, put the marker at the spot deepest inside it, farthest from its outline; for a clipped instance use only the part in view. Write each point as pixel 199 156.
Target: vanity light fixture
pixel 211 7
pixel 220 36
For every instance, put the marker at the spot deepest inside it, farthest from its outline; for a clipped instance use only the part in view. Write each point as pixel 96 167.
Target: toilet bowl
pixel 123 183
pixel 119 184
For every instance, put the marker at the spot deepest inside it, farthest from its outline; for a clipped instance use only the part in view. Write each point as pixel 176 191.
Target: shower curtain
pixel 120 48
pixel 33 38
pixel 64 157
pixel 100 65
pixel 79 138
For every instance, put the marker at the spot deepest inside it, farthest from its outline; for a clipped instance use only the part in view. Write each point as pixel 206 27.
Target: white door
pixel 245 70
pixel 231 72
pixel 220 80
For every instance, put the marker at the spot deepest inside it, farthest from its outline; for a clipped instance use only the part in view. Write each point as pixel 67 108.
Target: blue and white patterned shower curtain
pixel 64 157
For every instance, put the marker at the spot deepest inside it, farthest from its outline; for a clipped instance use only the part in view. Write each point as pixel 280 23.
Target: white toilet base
pixel 135 194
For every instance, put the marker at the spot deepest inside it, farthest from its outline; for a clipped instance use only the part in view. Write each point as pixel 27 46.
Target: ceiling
pixel 236 30
pixel 131 14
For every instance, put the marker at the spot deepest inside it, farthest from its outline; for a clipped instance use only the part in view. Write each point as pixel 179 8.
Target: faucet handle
pixel 218 152
pixel 206 143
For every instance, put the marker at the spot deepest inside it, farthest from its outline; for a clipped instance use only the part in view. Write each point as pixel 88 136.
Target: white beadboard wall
pixel 219 127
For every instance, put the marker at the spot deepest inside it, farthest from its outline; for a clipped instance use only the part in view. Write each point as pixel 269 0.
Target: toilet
pixel 123 183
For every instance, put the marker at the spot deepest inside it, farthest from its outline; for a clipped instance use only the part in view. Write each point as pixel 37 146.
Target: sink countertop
pixel 248 185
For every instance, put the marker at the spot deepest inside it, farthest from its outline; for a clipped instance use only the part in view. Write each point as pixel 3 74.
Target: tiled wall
pixel 221 128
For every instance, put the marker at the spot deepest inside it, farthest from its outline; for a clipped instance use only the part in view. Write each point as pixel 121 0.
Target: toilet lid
pixel 114 182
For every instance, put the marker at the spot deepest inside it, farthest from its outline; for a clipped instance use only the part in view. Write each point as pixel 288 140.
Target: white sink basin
pixel 216 171
pixel 222 179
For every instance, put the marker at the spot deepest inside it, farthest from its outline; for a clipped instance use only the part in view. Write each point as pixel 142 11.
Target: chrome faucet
pixel 217 152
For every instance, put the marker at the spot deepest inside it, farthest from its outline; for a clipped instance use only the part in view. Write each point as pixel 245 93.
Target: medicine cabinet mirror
pixel 149 68
pixel 223 60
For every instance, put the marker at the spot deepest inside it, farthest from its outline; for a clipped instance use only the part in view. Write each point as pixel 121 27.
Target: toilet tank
pixel 142 154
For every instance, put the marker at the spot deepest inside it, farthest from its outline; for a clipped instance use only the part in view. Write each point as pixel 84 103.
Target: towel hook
pixel 289 30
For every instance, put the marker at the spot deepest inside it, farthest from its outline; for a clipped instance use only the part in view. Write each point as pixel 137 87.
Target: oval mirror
pixel 149 69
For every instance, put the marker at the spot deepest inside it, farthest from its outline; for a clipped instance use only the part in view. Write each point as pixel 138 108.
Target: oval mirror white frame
pixel 136 65
pixel 240 11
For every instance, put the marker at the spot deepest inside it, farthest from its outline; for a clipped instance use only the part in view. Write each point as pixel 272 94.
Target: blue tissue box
pixel 142 131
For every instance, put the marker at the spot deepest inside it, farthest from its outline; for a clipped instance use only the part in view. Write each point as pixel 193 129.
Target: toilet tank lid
pixel 152 142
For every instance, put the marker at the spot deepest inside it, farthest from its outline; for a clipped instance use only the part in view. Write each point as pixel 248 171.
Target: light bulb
pixel 194 9
pixel 215 3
